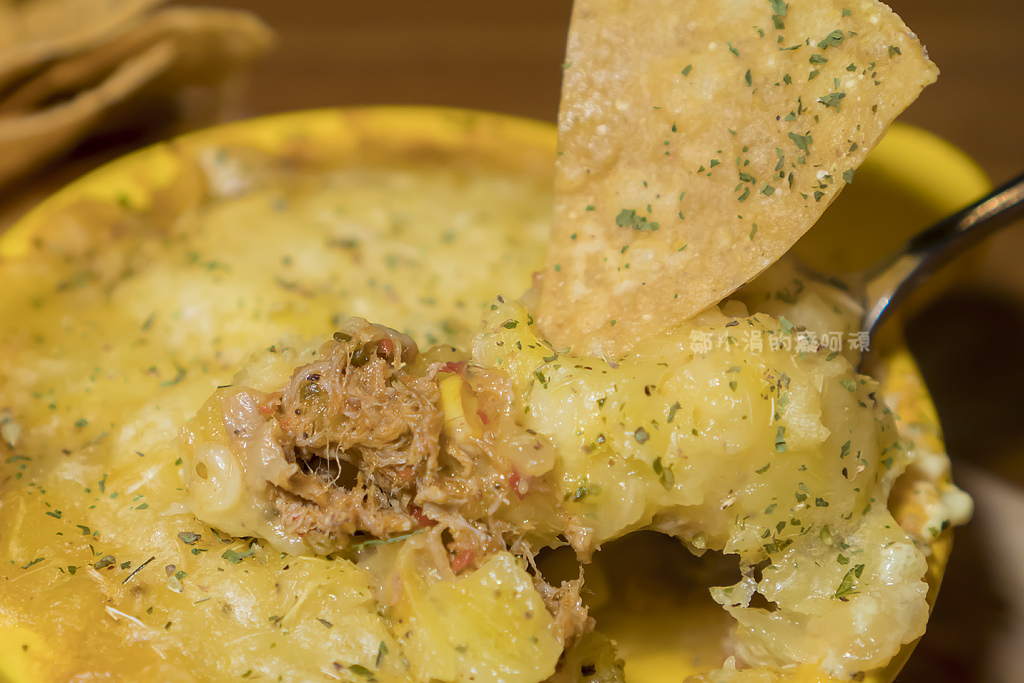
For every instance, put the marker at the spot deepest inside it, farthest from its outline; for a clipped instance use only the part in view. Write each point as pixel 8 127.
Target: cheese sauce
pixel 122 322
pixel 124 317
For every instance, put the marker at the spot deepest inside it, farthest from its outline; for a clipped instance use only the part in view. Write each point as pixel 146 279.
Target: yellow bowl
pixel 911 179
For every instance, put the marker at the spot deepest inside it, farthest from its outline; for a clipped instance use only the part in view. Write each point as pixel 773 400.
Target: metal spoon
pixel 882 286
pixel 885 284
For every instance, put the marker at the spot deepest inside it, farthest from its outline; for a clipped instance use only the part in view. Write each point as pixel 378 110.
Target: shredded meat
pixel 365 434
pixel 359 422
pixel 566 605
pixel 359 404
pixel 356 448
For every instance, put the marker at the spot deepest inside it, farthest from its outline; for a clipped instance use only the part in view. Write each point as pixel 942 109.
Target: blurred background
pixel 506 56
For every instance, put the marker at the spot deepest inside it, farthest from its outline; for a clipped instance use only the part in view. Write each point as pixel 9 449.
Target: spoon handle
pixel 889 282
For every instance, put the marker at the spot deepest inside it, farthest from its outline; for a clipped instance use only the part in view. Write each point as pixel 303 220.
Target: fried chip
pixel 698 143
pixel 35 32
pixel 166 51
pixel 211 43
pixel 27 141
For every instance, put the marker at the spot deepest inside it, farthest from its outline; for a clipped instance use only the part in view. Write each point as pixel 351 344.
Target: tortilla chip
pixel 697 144
pixel 27 141
pixel 35 32
pixel 211 44
pixel 164 53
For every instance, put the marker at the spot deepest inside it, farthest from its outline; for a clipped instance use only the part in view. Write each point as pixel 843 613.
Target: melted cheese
pixel 128 320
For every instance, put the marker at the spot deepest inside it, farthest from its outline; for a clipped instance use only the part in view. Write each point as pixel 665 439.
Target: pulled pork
pixel 366 430
pixel 372 453
pixel 373 441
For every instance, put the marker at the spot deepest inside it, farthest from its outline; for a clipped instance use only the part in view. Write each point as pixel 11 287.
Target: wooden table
pixel 506 56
